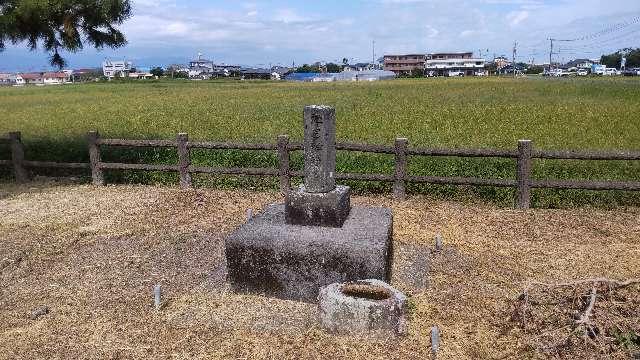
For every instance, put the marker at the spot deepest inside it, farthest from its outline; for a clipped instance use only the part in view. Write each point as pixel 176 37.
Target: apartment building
pixel 404 64
pixel 454 64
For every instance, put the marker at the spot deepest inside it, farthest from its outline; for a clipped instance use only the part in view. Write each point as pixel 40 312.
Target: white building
pixel 55 78
pixel 120 68
pixel 454 64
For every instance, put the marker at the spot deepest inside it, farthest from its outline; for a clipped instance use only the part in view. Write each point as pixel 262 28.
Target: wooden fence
pixel 524 156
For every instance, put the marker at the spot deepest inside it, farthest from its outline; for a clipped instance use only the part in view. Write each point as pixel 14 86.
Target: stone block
pixel 318 209
pixel 365 307
pixel 293 262
pixel 319 148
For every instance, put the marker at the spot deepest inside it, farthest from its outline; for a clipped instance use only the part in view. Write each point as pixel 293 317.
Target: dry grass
pixel 92 256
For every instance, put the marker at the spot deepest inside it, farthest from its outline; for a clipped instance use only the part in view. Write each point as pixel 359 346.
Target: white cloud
pixel 255 32
pixel 516 17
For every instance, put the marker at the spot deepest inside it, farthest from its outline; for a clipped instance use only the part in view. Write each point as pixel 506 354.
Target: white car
pixel 583 72
pixel 610 72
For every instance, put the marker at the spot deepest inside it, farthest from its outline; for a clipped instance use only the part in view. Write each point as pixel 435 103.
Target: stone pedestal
pixel 329 209
pixel 290 251
pixel 266 255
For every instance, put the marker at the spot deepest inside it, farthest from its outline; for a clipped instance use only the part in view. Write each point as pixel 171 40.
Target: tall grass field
pixel 559 114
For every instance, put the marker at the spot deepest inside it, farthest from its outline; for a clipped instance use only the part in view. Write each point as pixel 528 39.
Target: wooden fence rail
pixel 523 182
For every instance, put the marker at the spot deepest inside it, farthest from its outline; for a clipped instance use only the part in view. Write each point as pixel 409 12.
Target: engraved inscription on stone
pixel 319 149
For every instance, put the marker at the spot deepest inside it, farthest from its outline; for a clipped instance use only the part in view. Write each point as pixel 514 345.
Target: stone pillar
pixel 319 202
pixel 319 149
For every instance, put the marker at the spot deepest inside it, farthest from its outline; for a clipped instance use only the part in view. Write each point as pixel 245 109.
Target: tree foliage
pixel 63 24
pixel 157 71
pixel 306 68
pixel 615 60
pixel 333 68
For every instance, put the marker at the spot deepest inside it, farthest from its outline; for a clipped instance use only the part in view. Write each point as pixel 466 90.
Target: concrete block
pixel 293 262
pixel 318 209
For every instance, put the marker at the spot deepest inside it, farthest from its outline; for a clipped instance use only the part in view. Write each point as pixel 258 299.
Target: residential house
pixel 454 64
pixel 83 75
pixel 55 78
pixel 282 71
pixel 581 63
pixel 255 73
pixel 501 61
pixel 359 67
pixel 140 75
pixel 7 79
pixel 120 68
pixel 404 64
pixel 31 79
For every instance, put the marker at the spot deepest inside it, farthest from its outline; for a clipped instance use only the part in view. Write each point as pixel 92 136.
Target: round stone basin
pixel 364 290
pixel 362 307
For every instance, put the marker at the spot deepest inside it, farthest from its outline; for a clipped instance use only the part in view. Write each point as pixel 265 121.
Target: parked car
pixel 610 72
pixel 582 72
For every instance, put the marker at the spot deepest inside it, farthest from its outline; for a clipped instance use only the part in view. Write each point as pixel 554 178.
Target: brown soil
pixel 92 256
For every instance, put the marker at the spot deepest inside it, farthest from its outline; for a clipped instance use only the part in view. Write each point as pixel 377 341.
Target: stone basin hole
pixel 366 291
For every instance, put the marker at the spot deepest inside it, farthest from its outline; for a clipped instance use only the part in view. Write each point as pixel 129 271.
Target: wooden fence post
pixel 97 176
pixel 523 193
pixel 283 161
pixel 184 160
pixel 17 157
pixel 399 191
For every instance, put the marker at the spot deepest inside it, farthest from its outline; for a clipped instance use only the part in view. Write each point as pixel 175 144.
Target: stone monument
pixel 316 238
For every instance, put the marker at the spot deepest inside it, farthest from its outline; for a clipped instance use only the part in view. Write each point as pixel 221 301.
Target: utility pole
pixel 373 53
pixel 551 53
pixel 513 62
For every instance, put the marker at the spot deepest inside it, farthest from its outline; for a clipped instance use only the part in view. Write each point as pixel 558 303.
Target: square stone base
pixel 318 209
pixel 293 262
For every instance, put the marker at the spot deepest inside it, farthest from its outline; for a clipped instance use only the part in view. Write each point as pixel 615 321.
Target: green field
pixel 592 113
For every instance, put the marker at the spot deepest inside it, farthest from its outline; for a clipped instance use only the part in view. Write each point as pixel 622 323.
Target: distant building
pixel 365 75
pixel 7 79
pixel 201 68
pixel 55 78
pixel 116 68
pixel 454 64
pixel 282 71
pixel 581 63
pixel 360 67
pixel 501 62
pixel 30 79
pixel 83 75
pixel 256 73
pixel 404 64
pixel 141 75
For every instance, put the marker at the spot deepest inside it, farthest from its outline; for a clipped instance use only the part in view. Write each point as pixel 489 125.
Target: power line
pixel 606 31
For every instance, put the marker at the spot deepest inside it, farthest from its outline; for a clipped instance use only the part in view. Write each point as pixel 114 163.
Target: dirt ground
pixel 92 255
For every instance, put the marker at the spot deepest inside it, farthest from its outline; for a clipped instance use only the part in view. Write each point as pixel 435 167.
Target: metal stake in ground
pixel 157 294
pixel 435 341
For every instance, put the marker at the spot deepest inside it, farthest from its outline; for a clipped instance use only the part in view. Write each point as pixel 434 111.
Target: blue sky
pixel 260 33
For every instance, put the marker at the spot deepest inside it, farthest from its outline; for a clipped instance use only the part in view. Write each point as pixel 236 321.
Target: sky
pixel 263 33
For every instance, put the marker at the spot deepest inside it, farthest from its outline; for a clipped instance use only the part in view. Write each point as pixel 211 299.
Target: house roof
pixel 31 76
pixel 55 75
pixel 256 71
pixel 386 55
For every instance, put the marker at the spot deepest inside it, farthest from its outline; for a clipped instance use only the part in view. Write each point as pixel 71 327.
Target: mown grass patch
pixel 593 113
